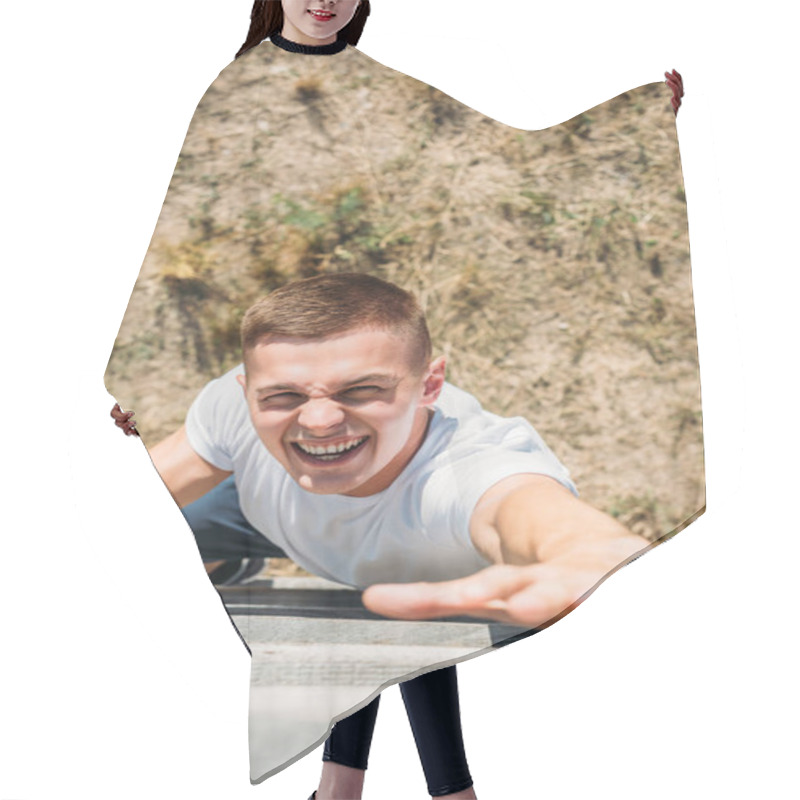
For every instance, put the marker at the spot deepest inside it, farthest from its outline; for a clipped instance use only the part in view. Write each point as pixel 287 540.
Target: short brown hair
pixel 326 305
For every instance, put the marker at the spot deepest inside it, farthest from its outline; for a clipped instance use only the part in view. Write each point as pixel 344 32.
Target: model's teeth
pixel 331 449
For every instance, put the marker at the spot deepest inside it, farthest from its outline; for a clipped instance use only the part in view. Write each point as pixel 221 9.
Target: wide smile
pixel 324 453
pixel 322 16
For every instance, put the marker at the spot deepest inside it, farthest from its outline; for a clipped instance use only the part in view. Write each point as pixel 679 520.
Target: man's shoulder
pixel 458 404
pixel 220 405
pixel 461 427
pixel 225 390
pixel 462 413
pixel 473 447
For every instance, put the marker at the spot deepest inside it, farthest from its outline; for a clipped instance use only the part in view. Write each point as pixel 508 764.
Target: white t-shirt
pixel 415 530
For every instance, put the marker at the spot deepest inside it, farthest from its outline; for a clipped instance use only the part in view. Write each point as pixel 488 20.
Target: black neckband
pixel 308 49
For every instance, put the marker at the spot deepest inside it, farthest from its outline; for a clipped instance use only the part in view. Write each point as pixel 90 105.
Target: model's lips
pixel 329 452
pixel 323 16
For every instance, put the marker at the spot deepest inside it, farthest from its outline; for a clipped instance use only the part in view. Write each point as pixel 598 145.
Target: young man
pixel 352 454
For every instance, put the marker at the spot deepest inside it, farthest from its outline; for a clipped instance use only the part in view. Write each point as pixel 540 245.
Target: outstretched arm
pixel 549 549
pixel 675 82
pixel 186 475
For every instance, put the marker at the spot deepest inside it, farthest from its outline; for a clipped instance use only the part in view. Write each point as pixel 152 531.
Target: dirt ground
pixel 553 265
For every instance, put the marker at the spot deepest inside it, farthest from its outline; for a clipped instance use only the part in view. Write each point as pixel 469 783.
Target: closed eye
pixel 361 393
pixel 281 400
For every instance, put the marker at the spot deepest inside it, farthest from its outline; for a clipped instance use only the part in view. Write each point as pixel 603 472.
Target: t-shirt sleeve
pixel 216 417
pixel 469 469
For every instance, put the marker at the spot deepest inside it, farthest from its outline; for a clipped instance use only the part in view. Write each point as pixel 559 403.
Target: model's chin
pixel 329 473
pixel 314 485
pixel 325 482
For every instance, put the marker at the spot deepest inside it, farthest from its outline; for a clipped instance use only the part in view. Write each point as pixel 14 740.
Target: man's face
pixel 343 415
pixel 316 21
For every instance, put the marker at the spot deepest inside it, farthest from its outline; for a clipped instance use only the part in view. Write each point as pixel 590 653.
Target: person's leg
pixel 433 711
pixel 432 706
pixel 346 754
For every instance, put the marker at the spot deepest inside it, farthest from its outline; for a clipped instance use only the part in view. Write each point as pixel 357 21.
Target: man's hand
pixel 124 420
pixel 529 596
pixel 675 82
pixel 550 550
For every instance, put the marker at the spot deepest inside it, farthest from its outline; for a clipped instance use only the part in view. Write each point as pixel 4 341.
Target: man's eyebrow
pixel 278 387
pixel 374 377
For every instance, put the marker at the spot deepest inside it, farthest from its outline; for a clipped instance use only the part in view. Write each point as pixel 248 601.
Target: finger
pixel 126 424
pixel 423 601
pixel 119 415
pixel 124 420
pixel 674 81
pixel 482 594
pixel 677 93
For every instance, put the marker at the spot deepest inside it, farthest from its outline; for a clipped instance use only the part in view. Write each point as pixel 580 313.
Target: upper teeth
pixel 330 449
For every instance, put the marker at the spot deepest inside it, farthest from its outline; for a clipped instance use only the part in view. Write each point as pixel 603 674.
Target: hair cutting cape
pixel 553 267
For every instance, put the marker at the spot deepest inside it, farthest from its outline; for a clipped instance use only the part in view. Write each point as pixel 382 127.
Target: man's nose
pixel 320 414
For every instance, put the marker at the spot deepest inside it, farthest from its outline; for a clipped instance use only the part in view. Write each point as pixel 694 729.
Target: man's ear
pixel 434 381
pixel 242 382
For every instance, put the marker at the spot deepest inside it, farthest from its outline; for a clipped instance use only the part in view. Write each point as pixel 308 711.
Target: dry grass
pixel 553 265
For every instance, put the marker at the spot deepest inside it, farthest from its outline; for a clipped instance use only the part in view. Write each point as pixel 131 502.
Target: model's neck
pixel 316 49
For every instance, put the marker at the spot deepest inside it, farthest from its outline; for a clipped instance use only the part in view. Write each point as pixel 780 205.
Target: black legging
pixel 431 702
